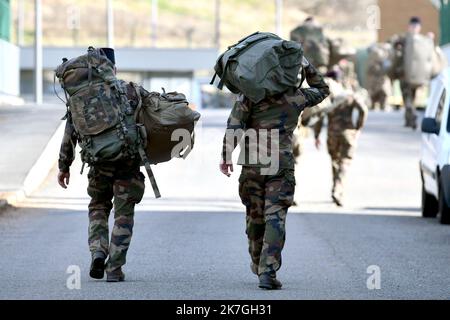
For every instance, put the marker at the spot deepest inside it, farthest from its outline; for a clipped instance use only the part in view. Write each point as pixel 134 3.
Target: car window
pixel 440 108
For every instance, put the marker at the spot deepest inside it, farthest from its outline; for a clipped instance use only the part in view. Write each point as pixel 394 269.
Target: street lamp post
pixel 217 22
pixel 154 22
pixel 20 22
pixel 110 23
pixel 279 17
pixel 38 52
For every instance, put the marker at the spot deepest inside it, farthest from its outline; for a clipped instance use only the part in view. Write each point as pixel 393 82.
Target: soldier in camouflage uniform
pixel 377 81
pixel 120 185
pixel 317 47
pixel 408 90
pixel 268 195
pixel 342 133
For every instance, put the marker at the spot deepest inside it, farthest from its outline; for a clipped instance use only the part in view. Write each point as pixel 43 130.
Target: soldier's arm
pixel 317 128
pixel 318 89
pixel 68 144
pixel 236 125
pixel 363 112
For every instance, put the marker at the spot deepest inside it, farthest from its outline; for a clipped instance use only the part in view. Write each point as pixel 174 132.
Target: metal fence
pixel 9 68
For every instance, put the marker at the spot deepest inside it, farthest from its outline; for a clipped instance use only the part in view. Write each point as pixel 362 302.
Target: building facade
pixel 395 15
pixel 9 59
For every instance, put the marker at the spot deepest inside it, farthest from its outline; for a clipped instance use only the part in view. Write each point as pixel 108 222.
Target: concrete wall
pixel 173 69
pixel 132 59
pixel 395 15
pixel 9 69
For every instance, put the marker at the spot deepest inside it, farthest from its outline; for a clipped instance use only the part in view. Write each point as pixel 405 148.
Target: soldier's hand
pixel 318 144
pixel 63 179
pixel 226 169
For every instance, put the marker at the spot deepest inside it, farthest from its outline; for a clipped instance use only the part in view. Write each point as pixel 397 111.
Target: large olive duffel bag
pixel 259 66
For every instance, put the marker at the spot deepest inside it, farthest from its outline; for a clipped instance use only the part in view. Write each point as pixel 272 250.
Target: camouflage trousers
pixel 124 183
pixel 379 97
pixel 298 141
pixel 409 97
pixel 341 147
pixel 267 200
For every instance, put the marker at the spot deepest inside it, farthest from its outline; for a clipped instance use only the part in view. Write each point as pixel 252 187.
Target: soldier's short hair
pixel 415 20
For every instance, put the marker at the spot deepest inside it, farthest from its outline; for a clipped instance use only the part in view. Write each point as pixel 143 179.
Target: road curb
pixel 38 172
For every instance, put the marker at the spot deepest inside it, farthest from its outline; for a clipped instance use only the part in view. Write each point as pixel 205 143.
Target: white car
pixel 435 154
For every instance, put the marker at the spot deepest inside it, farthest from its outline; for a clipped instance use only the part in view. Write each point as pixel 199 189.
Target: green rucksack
pixel 316 46
pixel 100 111
pixel 167 119
pixel 259 66
pixel 418 59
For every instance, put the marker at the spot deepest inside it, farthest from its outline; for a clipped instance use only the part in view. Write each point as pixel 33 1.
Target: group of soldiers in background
pixel 411 58
pixel 334 59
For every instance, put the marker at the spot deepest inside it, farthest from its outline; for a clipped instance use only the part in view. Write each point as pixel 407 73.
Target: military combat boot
pixel 98 265
pixel 337 201
pixel 269 281
pixel 115 276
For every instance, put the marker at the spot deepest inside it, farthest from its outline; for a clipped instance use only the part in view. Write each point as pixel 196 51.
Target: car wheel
pixel 430 205
pixel 444 209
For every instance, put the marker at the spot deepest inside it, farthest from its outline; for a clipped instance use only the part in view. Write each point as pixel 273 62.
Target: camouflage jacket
pixel 341 117
pixel 71 138
pixel 272 117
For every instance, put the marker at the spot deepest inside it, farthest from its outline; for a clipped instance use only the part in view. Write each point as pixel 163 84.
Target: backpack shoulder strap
pixel 150 174
pixel 138 96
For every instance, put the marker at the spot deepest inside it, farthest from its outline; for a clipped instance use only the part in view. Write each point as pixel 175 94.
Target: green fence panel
pixel 445 22
pixel 5 19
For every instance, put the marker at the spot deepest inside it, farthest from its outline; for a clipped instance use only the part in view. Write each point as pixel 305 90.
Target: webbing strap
pixel 213 78
pixel 149 173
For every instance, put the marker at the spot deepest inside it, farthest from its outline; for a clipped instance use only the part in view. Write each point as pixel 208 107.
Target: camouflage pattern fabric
pixel 342 138
pixel 71 138
pixel 377 81
pixel 125 183
pixel 409 97
pixel 278 112
pixel 349 77
pixel 317 47
pixel 121 181
pixel 341 149
pixel 68 144
pixel 267 200
pixel 300 136
pixel 408 90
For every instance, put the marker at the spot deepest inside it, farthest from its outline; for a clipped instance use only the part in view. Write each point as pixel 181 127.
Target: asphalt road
pixel 191 244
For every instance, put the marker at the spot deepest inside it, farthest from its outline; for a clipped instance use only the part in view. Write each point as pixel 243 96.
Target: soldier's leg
pixel 383 100
pixel 279 196
pixel 373 100
pixel 251 192
pixel 296 145
pixel 346 153
pixel 100 189
pixel 128 191
pixel 413 108
pixel 408 94
pixel 333 150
